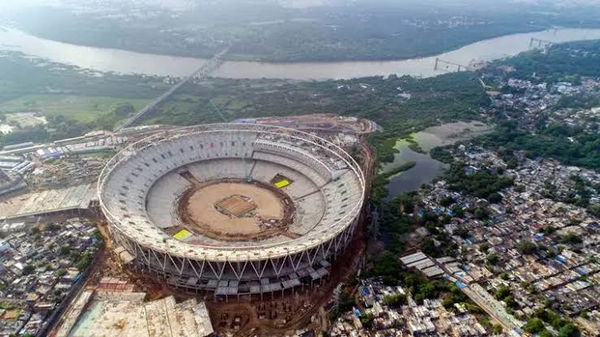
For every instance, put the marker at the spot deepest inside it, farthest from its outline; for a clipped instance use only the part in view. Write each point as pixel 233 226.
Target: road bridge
pixel 206 69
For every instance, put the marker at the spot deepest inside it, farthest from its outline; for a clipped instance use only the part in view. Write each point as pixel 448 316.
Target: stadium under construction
pixel 232 209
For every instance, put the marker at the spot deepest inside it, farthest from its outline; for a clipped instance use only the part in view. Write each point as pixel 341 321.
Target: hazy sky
pixel 7 5
pixel 12 4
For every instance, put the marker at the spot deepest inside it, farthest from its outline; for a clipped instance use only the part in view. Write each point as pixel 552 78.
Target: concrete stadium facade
pixel 140 187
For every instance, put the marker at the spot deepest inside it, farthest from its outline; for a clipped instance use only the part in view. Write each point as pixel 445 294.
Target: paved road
pixel 488 303
pixel 493 307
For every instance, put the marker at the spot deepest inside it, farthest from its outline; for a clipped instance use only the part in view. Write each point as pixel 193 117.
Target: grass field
pixel 82 108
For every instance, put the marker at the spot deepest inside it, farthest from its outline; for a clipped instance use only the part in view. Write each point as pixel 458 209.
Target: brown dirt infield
pixel 236 205
pixel 221 210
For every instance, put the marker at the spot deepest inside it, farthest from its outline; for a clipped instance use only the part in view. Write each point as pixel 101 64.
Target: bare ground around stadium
pixel 202 206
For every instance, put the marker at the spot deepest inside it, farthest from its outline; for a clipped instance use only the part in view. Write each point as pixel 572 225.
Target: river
pixel 127 62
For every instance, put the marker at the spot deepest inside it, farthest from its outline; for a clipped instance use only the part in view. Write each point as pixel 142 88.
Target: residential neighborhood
pixel 39 269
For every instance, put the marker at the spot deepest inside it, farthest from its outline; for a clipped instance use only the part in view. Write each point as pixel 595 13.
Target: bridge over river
pixel 205 70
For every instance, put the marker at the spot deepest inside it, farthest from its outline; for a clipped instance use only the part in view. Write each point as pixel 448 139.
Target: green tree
pixel 511 302
pixel 28 269
pixel 570 238
pixel 481 213
pixel 534 325
pixel 502 292
pixel 494 198
pixel 395 301
pixel 493 259
pixel 594 209
pixel 52 227
pixel 569 330
pixel 367 320
pixel 526 247
pixel 446 201
pixel 64 250
pixel 458 211
pixel 497 329
pixel 84 261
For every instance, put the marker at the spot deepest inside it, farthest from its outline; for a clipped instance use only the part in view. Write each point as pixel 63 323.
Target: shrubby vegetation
pixel 562 62
pixel 550 142
pixel 36 134
pixel 570 238
pixel 395 301
pixel 23 77
pixel 484 183
pixel 445 98
pixel 568 144
pixel 534 325
pixel 419 286
pixel 442 155
pixel 537 324
pixel 526 247
pixel 84 261
pixel 393 273
pixel 396 220
pixel 61 127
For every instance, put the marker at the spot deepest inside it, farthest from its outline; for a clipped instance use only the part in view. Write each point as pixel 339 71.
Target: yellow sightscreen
pixel 182 234
pixel 282 183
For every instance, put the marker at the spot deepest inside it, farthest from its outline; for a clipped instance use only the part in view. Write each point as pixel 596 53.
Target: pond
pixel 426 169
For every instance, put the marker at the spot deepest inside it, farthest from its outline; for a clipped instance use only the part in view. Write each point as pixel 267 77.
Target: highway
pixel 205 70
